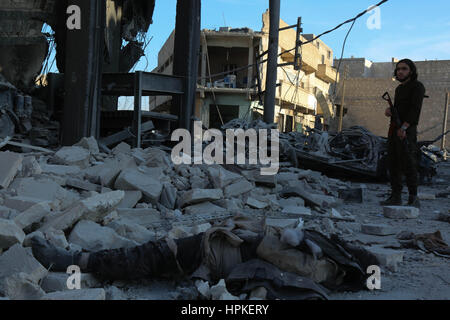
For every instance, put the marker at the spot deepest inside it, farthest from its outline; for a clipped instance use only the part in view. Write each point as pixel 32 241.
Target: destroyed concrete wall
pixel 22 46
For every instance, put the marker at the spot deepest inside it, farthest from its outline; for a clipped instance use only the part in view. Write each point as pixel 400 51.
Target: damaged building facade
pixel 227 89
pixel 367 81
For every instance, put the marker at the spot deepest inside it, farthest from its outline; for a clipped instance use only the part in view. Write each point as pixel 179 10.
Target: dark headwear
pixel 412 67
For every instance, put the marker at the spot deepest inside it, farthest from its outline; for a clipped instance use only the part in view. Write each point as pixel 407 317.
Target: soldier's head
pixel 405 70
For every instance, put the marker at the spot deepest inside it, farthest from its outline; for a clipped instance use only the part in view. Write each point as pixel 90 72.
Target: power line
pixel 340 25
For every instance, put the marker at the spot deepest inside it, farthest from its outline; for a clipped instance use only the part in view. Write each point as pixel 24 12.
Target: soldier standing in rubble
pixel 403 158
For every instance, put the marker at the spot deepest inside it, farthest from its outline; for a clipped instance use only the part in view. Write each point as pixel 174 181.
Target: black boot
pixel 394 200
pixel 413 201
pixel 52 257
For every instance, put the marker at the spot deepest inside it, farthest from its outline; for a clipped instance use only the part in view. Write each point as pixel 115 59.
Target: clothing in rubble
pixel 215 254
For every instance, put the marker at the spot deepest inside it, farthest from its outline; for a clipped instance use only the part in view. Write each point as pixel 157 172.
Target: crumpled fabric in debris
pixel 428 242
pixel 279 284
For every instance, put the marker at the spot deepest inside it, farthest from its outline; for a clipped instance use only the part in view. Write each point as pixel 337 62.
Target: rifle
pixel 395 118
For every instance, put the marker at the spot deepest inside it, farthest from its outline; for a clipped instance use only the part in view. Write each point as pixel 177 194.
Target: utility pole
pixel 444 125
pixel 341 110
pixel 272 62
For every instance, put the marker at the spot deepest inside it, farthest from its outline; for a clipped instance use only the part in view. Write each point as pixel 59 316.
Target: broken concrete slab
pixel 387 257
pixel 73 156
pixel 93 237
pixel 44 190
pixel 377 229
pixel 57 238
pixel 122 148
pixel 57 281
pixel 10 163
pixel 60 170
pixel 89 144
pixel 198 182
pixel 200 195
pixel 426 196
pixel 19 259
pixel 281 223
pixel 143 217
pixel 168 196
pixel 400 212
pixel 21 203
pixel 297 210
pixel 293 201
pixel 132 179
pixel 130 199
pixel 82 185
pixel 82 294
pixel 132 231
pixel 32 215
pixel 203 208
pixel 237 188
pixel 19 286
pixel 10 234
pixel 221 177
pixel 252 202
pixel 94 208
pixel 30 167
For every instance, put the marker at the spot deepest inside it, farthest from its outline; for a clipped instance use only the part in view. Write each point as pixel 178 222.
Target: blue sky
pixel 409 28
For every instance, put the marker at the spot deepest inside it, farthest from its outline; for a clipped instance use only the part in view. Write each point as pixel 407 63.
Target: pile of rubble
pixel 82 199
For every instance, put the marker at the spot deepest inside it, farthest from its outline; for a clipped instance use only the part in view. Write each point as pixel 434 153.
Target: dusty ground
pixel 421 276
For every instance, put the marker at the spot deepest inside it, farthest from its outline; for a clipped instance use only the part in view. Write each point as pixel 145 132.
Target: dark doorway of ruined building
pixel 227 112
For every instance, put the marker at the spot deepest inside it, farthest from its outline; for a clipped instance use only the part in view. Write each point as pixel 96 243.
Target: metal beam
pixel 84 59
pixel 186 58
pixel 272 62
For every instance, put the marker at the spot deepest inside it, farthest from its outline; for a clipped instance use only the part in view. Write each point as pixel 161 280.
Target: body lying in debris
pixel 231 250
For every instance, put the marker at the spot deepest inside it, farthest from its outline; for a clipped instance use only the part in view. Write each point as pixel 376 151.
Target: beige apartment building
pixel 228 89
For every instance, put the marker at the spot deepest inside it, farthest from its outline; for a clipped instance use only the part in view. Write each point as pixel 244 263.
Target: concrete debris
pixel 377 229
pixel 57 281
pixel 10 163
pixel 168 196
pixel 400 212
pixel 221 177
pixel 10 234
pixel 388 258
pixel 94 208
pixel 82 199
pixel 93 237
pixel 133 179
pixel 32 215
pixel 73 156
pixel 19 259
pixel 122 148
pixel 203 208
pixel 237 188
pixel 30 167
pixel 256 203
pixel 295 210
pixel 89 144
pixel 200 195
pixel 60 170
pixel 426 196
pixel 132 231
pixel 19 286
pixel 130 199
pixel 220 292
pixel 82 294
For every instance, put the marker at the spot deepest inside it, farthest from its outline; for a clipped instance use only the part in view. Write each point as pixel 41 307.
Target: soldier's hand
pixel 388 112
pixel 401 134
